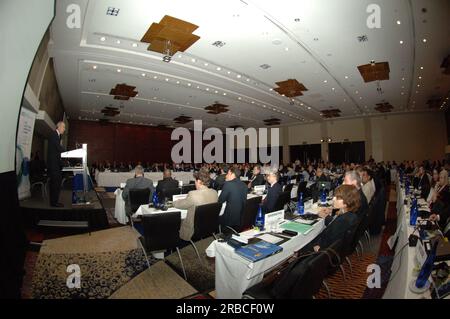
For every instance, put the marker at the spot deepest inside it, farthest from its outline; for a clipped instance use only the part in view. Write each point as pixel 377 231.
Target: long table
pixel 113 179
pixel 234 274
pixel 405 265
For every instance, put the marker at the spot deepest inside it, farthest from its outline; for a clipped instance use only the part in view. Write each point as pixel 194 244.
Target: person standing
pixel 54 151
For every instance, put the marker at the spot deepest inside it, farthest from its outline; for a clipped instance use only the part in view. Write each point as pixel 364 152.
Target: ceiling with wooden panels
pixel 294 61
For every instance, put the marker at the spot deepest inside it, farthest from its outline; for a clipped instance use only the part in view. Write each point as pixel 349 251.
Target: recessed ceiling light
pixel 286 49
pixel 239 98
pixel 178 82
pixel 143 74
pixel 270 89
pixel 180 56
pixel 238 76
pixel 421 67
pixel 189 84
pixel 207 89
pixel 253 102
pixel 333 89
pixel 119 70
pixel 403 93
pixel 301 104
pixel 134 45
pixel 418 85
pixel 94 67
pixel 403 79
pixel 420 78
pixel 248 80
pixel 198 87
pixel 218 68
pixel 224 93
pixel 401 41
pixel 118 41
pixel 398 22
pixel 309 107
pixel 346 76
pixel 206 64
pixel 325 81
pixel 103 39
pixel 424 40
pixel 356 92
pixel 216 92
pixel 360 97
pixel 155 77
pixel 193 60
pixel 229 72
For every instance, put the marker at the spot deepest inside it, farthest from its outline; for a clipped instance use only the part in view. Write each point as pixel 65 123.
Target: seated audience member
pixel 311 173
pixel 138 182
pixel 434 184
pixel 220 179
pixel 422 182
pixel 440 199
pixel 257 178
pixel 289 170
pixel 247 172
pixel 347 201
pixel 353 178
pixel 273 192
pixel 234 193
pixel 320 176
pixel 167 182
pixel 201 196
pixel 368 186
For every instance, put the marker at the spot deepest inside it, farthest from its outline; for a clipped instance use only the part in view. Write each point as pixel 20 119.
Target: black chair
pixel 206 223
pixel 186 189
pixel 300 280
pixel 283 180
pixel 167 193
pixel 302 189
pixel 288 188
pixel 380 208
pixel 138 197
pixel 161 232
pixel 282 200
pixel 250 211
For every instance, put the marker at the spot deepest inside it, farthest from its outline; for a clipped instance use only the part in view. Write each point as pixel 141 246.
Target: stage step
pixel 63 223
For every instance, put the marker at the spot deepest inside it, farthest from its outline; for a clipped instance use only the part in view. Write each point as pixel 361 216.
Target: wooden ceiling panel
pixel 374 71
pixel 385 107
pixel 290 88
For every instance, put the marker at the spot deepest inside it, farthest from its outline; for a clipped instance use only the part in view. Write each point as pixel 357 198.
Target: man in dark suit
pixel 421 181
pixel 257 178
pixel 54 151
pixel 273 192
pixel 220 179
pixel 234 193
pixel 138 182
pixel 167 182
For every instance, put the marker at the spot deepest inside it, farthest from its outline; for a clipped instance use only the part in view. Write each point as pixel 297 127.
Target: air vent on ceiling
pixel 217 108
pixel 330 113
pixel 218 44
pixel 123 92
pixel 362 38
pixel 264 66
pixel 182 119
pixel 384 107
pixel 374 71
pixel 112 11
pixel 110 111
pixel 272 121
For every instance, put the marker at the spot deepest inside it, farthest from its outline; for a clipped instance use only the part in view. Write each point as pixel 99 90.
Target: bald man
pixel 54 151
pixel 167 182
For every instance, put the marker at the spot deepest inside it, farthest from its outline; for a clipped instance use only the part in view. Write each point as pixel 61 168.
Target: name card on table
pixel 260 188
pixel 271 220
pixel 178 197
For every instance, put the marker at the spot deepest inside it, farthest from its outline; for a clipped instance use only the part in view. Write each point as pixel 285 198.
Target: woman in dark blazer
pixel 347 201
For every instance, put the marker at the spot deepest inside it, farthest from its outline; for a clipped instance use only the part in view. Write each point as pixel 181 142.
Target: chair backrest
pixel 335 251
pixel 139 197
pixel 309 284
pixel 302 189
pixel 162 230
pixel 167 193
pixel 250 211
pixel 288 188
pixel 282 200
pixel 283 180
pixel 206 221
pixel 186 189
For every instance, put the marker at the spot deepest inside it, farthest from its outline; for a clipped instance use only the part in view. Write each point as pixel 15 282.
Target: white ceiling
pixel 317 45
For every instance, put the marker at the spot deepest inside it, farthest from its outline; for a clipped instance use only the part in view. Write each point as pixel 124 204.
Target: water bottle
pixel 259 222
pixel 155 200
pixel 427 267
pixel 323 197
pixel 414 212
pixel 300 205
pixel 74 197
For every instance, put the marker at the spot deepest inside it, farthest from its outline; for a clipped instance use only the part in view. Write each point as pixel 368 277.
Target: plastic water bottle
pixel 427 267
pixel 300 205
pixel 259 222
pixel 155 200
pixel 414 212
pixel 323 197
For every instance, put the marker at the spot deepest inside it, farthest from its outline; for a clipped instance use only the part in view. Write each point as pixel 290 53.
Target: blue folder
pixel 258 251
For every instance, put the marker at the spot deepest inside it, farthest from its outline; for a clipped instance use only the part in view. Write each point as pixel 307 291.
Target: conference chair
pixel 249 214
pixel 283 180
pixel 283 199
pixel 161 232
pixel 167 193
pixel 288 188
pixel 186 189
pixel 138 197
pixel 206 223
pixel 301 279
pixel 302 189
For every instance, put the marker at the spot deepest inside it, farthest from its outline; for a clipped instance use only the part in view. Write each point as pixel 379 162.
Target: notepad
pixel 297 227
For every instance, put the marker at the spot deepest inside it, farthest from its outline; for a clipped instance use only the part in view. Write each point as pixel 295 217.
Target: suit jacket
pixel 257 180
pixel 199 197
pixel 364 206
pixel 136 183
pixel 166 183
pixel 369 189
pixel 219 181
pixel 234 193
pixel 273 192
pixel 54 151
pixel 424 184
pixel 337 228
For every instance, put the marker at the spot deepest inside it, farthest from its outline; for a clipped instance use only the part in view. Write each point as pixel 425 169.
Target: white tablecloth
pixel 405 261
pixel 234 274
pixel 111 179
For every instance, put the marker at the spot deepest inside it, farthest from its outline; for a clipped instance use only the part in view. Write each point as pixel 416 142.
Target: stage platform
pixel 37 208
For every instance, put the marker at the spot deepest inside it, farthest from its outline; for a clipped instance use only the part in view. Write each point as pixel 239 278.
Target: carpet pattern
pixel 101 273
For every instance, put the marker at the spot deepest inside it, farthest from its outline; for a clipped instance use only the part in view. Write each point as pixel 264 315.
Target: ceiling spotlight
pixel 167 80
pixel 198 87
pixel 248 80
pixel 325 81
pixel 418 85
pixel 189 84
pixel 155 77
pixel 239 98
pixel 134 45
pixel 103 39
pixel 403 79
pixel 178 82
pixel 309 107
pixel 119 70
pixel 398 22
pixel 238 76
pixel 207 89
pixel 224 94
pixel 421 67
pixel 216 92
pixel 143 74
pixel 206 64
pixel 420 78
pixel 270 89
pixel 332 89
pixel 118 41
pixel 356 92
pixel 253 102
pixel 424 40
pixel 301 104
pixel 346 76
pixel 286 49
pixel 180 56
pixel 218 68
pixel 193 60
pixel 401 41
pixel 94 67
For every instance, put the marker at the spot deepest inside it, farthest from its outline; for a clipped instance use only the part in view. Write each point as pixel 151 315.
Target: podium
pixel 83 169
